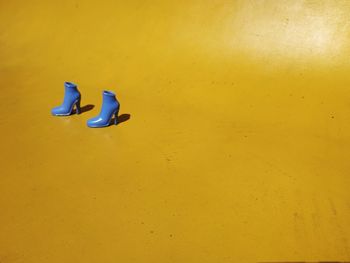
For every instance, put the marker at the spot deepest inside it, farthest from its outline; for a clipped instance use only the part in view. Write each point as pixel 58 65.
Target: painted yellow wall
pixel 237 148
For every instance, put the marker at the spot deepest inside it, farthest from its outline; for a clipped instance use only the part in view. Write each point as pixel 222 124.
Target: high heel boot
pixel 71 97
pixel 110 108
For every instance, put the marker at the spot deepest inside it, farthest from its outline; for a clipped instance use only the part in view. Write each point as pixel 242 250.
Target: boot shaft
pixel 109 98
pixel 70 88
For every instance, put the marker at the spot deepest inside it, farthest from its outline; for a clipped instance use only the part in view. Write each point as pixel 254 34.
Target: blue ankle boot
pixel 71 97
pixel 110 107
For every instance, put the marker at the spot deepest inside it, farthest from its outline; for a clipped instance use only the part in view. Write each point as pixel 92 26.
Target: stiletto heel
pixel 116 117
pixel 110 108
pixel 77 106
pixel 71 96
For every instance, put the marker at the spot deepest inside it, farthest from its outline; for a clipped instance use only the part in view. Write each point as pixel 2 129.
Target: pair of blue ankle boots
pixel 72 97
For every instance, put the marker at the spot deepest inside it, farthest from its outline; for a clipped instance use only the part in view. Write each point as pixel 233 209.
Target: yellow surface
pixel 237 148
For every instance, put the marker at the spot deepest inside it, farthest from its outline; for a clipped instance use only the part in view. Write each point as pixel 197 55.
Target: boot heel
pixel 116 117
pixel 77 106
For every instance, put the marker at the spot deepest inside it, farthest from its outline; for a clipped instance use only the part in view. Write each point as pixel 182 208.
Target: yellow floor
pixel 236 149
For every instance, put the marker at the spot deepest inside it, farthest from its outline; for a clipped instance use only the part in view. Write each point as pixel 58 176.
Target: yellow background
pixel 237 147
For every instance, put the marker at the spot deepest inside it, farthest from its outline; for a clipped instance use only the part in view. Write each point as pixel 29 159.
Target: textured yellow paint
pixel 238 145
